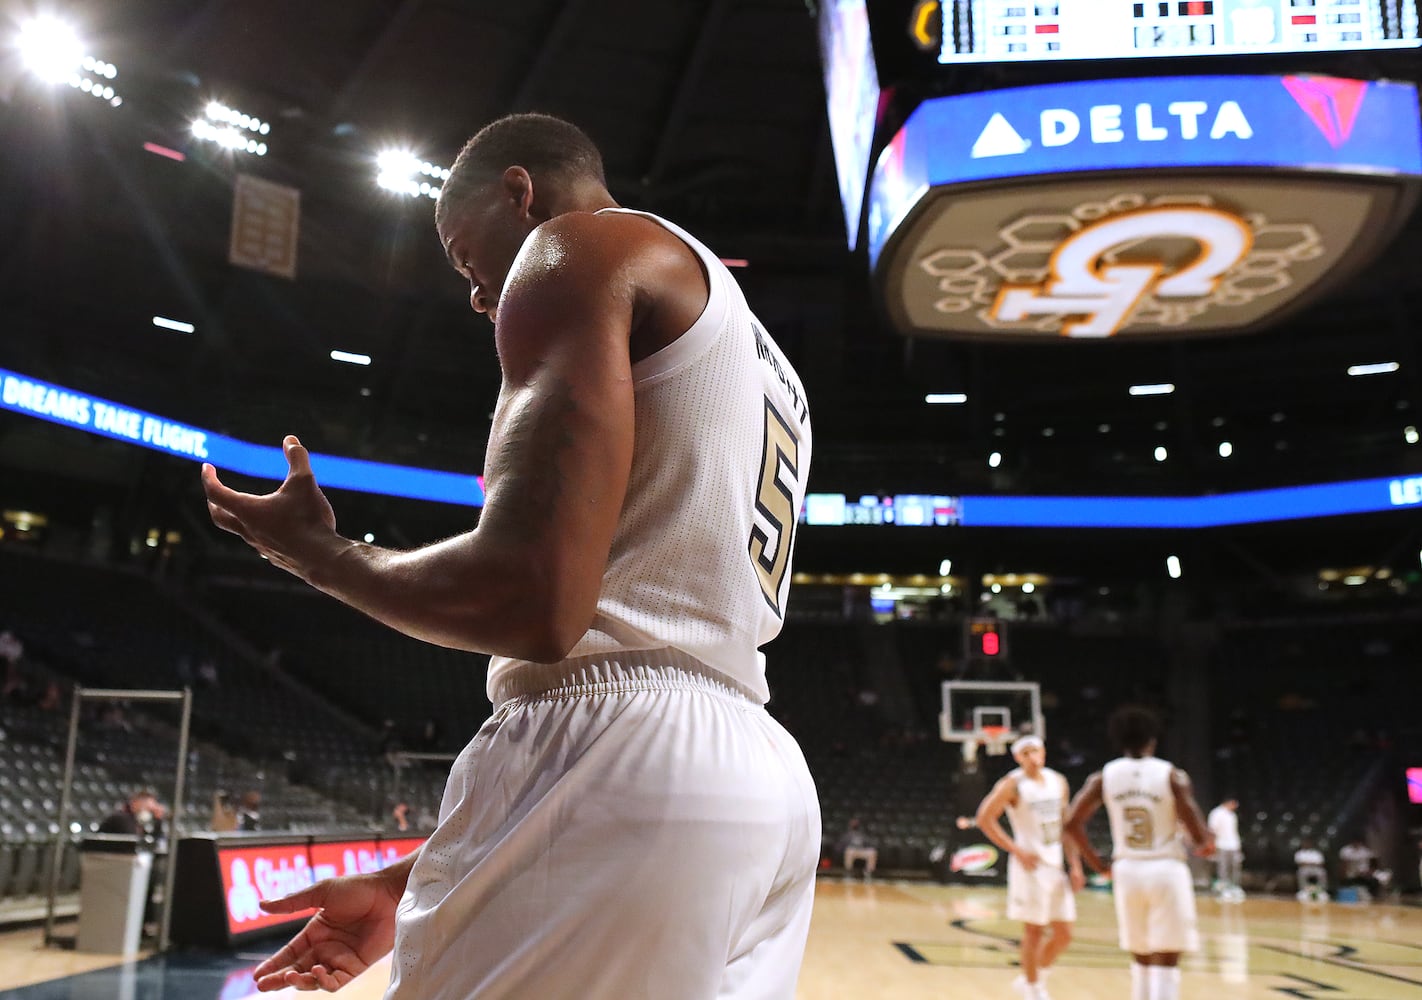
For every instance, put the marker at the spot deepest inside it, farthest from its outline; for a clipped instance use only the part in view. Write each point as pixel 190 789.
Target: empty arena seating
pixel 1305 710
pixel 1296 710
pixel 367 668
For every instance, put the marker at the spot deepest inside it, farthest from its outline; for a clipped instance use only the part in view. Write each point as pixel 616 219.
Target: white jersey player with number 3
pixel 1147 800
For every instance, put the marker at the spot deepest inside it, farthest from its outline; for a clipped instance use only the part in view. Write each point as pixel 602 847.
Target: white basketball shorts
pixel 1041 896
pixel 625 832
pixel 1155 905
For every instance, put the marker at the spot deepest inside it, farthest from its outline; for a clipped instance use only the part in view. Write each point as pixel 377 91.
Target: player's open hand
pixel 354 927
pixel 290 526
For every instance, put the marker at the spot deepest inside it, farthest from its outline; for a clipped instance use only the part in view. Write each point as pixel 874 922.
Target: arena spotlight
pixel 1155 389
pixel 945 567
pixel 951 398
pixel 1160 453
pixel 1028 587
pixel 996 588
pixel 1172 566
pixel 1409 434
pixel 349 358
pixel 163 322
pixel 1381 368
pixel 231 129
pixel 994 460
pixel 50 49
pixel 96 88
pixel 400 171
pixel 1226 449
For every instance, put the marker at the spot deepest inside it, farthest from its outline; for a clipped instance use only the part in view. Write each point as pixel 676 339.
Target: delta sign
pixel 1163 206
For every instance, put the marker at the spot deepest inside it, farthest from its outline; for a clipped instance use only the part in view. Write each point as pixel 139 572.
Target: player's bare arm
pixel 989 820
pixel 1069 846
pixel 525 582
pixel 1082 808
pixel 1190 813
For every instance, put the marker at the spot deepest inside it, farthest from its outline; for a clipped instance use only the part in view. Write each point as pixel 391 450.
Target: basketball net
pixel 995 740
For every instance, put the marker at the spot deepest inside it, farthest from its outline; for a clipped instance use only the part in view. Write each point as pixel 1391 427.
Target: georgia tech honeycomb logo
pixel 1101 267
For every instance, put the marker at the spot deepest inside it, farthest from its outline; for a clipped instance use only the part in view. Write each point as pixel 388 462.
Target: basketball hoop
pixel 995 740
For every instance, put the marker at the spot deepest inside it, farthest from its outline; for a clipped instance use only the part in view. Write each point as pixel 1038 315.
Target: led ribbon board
pixel 59 405
pixel 1358 496
pixel 95 415
pixel 1163 206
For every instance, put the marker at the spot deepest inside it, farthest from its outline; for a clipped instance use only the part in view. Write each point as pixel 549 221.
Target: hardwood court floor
pixel 915 941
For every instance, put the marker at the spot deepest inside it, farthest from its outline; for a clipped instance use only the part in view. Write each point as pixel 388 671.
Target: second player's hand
pixel 291 526
pixel 1078 879
pixel 1028 860
pixel 353 928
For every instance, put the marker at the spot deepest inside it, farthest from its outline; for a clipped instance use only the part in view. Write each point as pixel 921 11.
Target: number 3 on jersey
pixel 1140 828
pixel 770 553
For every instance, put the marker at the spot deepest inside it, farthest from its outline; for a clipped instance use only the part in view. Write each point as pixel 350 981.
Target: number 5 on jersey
pixel 770 553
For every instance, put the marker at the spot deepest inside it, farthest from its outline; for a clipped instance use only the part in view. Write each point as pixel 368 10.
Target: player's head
pixel 1134 729
pixel 1030 752
pixel 1230 802
pixel 515 174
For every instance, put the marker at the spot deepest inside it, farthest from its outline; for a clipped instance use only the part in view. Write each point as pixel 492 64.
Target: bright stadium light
pixel 1155 389
pixel 165 323
pixel 946 397
pixel 231 129
pixel 349 358
pixel 1028 587
pixel 1381 368
pixel 1409 434
pixel 1172 566
pixel 1226 449
pixel 994 460
pixel 1161 454
pixel 50 49
pixel 945 567
pixel 400 171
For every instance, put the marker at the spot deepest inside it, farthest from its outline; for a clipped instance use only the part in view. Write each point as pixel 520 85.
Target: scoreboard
pixel 957 31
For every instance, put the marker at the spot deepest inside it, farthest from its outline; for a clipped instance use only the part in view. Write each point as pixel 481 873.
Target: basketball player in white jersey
pixel 630 823
pixel 1147 800
pixel 1035 797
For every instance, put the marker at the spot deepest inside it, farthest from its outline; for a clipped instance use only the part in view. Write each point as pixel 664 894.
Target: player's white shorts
pixel 1155 905
pixel 632 832
pixel 1041 896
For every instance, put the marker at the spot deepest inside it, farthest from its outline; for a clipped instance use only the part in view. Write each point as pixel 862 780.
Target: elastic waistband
pixel 614 673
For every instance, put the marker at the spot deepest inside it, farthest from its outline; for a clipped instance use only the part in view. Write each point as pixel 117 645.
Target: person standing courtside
pixel 1223 822
pixel 630 823
pixel 1146 799
pixel 1034 797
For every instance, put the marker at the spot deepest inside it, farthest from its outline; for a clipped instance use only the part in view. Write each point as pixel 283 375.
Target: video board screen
pixel 852 99
pixel 1030 30
pixel 910 509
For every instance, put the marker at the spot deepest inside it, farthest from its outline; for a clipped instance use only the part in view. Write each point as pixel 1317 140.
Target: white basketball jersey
pixel 700 563
pixel 1141 805
pixel 1036 816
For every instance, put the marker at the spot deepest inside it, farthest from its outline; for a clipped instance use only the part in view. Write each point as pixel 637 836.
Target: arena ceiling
pixel 710 112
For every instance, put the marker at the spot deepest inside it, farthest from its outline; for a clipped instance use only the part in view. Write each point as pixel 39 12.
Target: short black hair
pixel 1133 727
pixel 541 144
